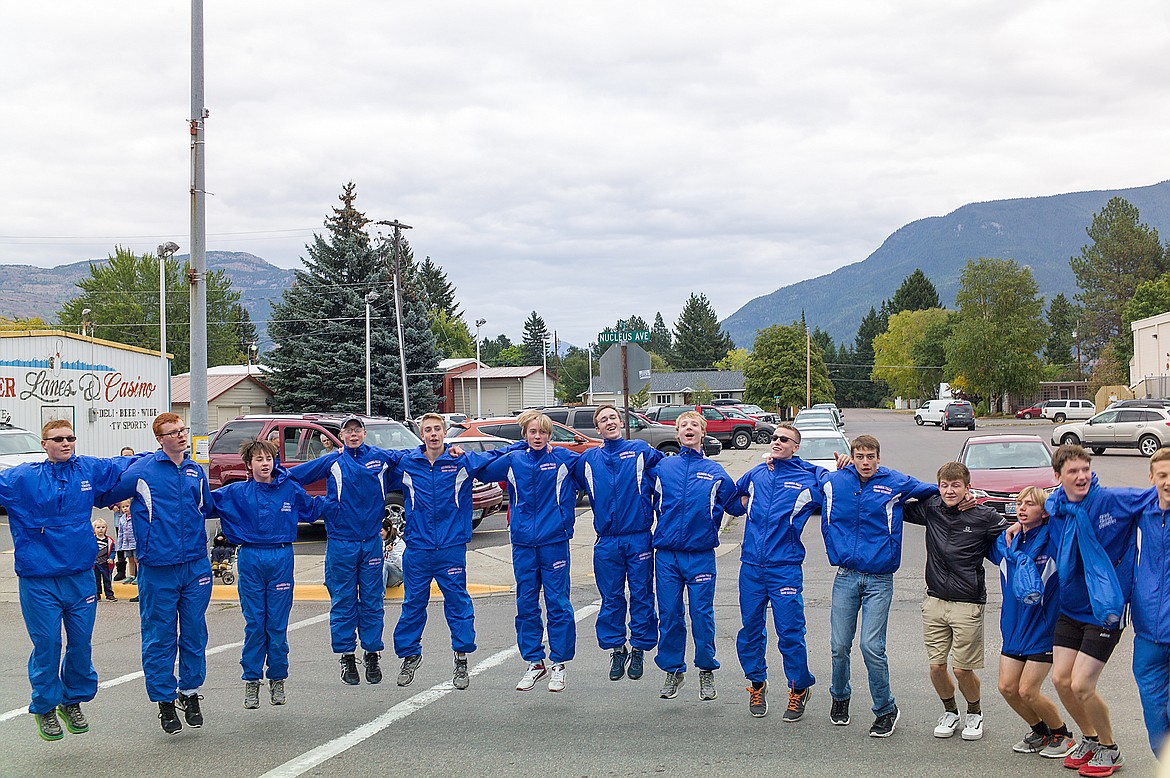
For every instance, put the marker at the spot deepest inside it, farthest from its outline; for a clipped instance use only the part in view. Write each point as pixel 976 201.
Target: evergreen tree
pixel 915 294
pixel 1123 254
pixel 537 339
pixel 660 340
pixel 698 340
pixel 1062 323
pixel 122 295
pixel 319 326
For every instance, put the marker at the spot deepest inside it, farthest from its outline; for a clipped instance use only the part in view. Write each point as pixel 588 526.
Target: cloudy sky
pixel 587 161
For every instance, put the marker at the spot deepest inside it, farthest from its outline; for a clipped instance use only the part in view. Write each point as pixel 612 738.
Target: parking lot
pixel 596 727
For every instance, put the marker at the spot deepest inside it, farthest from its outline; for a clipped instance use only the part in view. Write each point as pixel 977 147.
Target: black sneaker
pixel 883 726
pixel 168 717
pixel 373 669
pixel 74 719
pixel 758 700
pixel 410 664
pixel 617 663
pixel 839 715
pixel 189 704
pixel 637 664
pixel 48 727
pixel 349 673
pixel 796 704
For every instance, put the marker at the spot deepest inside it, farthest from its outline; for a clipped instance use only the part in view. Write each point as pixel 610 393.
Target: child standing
pixel 124 527
pixel 104 563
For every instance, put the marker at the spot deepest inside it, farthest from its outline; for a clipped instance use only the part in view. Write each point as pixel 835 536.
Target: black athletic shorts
pixel 1045 657
pixel 1091 639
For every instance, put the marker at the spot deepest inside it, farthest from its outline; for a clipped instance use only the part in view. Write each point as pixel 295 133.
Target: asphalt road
pixel 596 727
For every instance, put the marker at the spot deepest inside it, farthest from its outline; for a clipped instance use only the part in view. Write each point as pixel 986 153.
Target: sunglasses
pixel 783 439
pixel 63 439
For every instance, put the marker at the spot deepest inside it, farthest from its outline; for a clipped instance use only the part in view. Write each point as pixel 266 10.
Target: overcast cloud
pixel 588 161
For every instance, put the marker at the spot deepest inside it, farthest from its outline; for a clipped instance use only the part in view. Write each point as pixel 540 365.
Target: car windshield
pixel 822 448
pixel 20 443
pixel 391 436
pixel 1007 455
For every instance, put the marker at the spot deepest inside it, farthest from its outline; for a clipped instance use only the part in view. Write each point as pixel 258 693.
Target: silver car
pixel 1146 429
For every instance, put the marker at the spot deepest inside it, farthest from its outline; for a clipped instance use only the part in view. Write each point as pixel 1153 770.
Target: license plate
pixel 1010 509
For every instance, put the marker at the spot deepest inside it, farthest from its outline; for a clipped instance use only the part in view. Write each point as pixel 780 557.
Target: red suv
pixel 731 432
pixel 302 437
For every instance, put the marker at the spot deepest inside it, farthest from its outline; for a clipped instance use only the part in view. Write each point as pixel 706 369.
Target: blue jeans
pixel 871 595
pixel 1151 670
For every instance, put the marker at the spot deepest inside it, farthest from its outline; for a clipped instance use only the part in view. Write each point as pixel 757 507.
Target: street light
pixel 165 250
pixel 370 297
pixel 478 387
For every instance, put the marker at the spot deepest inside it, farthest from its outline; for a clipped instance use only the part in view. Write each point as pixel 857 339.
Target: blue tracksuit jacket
pixel 356 484
pixel 1026 627
pixel 1112 513
pixel 862 523
pixel 617 479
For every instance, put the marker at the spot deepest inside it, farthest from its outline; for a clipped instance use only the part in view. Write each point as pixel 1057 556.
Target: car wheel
pixel 1098 449
pixel 669 449
pixel 1070 439
pixel 1059 418
pixel 1028 416
pixel 918 420
pixel 741 440
pixel 763 436
pixel 1148 445
pixel 395 511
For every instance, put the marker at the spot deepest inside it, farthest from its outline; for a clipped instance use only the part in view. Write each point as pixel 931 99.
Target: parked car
pixel 1062 410
pixel 931 412
pixel 302 437
pixel 508 427
pixel 733 433
pixel 763 431
pixel 821 446
pixel 1146 429
pixel 1031 412
pixel 1003 465
pixel 959 413
pixel 659 436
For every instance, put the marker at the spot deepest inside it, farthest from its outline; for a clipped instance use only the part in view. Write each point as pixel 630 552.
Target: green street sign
pixel 624 336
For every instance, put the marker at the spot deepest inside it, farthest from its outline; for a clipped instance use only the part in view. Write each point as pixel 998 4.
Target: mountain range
pixel 1040 232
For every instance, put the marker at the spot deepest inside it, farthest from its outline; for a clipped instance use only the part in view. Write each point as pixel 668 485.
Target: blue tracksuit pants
pixel 779 586
pixel 693 571
pixel 618 561
pixel 447 567
pixel 47 604
pixel 544 567
pixel 265 585
pixel 172 604
pixel 353 576
pixel 1151 670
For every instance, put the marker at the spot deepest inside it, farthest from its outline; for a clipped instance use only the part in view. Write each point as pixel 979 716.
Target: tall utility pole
pixel 198 274
pixel 397 269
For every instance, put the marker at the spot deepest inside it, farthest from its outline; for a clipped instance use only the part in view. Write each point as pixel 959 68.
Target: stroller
pixel 223 559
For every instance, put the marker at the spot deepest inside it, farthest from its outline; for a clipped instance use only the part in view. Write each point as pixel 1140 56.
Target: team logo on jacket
pixel 883 489
pixel 787 591
pixel 1106 520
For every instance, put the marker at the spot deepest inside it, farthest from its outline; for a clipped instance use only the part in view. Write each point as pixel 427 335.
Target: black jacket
pixel 957 542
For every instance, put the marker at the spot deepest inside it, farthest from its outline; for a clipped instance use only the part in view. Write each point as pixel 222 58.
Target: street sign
pixel 637 367
pixel 624 336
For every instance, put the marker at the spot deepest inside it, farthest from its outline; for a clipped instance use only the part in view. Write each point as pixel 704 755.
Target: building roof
pixel 216 386
pixel 687 380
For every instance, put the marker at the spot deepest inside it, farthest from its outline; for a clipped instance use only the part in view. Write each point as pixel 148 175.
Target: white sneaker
pixel 974 728
pixel 948 724
pixel 536 671
pixel 556 678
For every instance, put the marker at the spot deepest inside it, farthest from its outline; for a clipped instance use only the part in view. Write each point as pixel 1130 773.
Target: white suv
pixel 1061 411
pixel 931 411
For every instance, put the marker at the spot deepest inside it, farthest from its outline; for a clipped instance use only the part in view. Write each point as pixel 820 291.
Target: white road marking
pixel 326 751
pixel 12 714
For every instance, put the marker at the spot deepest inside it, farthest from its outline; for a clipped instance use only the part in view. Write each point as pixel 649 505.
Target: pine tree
pixel 319 326
pixel 536 339
pixel 915 294
pixel 698 340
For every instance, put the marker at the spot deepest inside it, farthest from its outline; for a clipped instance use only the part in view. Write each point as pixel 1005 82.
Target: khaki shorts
pixel 954 630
